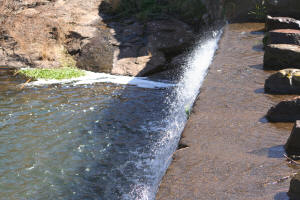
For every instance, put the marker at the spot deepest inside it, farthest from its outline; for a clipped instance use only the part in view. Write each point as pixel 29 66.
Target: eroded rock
pixel 285 81
pixel 61 30
pixel 292 146
pixel 285 111
pixel 282 36
pixel 294 191
pixel 273 23
pixel 281 56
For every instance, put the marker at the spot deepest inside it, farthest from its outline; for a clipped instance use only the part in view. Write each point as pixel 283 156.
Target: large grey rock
pixel 294 191
pixel 282 36
pixel 281 56
pixel 292 146
pixel 285 111
pixel 285 81
pixel 273 23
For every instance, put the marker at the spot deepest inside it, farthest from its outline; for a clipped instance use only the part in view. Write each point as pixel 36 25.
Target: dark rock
pixel 285 111
pixel 281 56
pixel 273 23
pixel 292 146
pixel 146 49
pixel 294 191
pixel 286 81
pixel 97 55
pixel 282 36
pixel 283 8
pixel 170 36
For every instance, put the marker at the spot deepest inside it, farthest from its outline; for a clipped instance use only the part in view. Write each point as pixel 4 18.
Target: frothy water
pixel 92 77
pixel 180 102
pixel 92 138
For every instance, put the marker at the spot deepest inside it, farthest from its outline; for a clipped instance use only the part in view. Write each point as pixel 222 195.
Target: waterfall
pixel 181 101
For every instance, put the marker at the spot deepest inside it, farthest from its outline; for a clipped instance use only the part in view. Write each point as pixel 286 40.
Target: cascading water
pixel 181 101
pixel 93 138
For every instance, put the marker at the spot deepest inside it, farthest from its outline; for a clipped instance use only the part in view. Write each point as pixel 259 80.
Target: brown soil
pixel 232 153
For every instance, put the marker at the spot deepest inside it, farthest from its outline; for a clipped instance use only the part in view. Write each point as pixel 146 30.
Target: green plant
pixel 56 73
pixel 260 10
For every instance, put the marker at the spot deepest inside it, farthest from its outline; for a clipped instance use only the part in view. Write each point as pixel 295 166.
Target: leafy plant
pixel 260 10
pixel 57 73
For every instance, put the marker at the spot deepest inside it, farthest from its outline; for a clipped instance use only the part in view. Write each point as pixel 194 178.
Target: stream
pixel 100 137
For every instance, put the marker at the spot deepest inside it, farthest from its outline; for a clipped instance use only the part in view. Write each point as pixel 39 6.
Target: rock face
pixel 294 191
pixel 144 48
pixel 285 81
pixel 281 56
pixel 282 36
pixel 44 33
pixel 273 23
pixel 292 146
pixel 285 111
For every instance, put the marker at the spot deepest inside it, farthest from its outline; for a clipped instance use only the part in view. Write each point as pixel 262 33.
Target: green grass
pixel 56 73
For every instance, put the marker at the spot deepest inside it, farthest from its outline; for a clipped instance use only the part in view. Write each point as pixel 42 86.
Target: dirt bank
pixel 232 153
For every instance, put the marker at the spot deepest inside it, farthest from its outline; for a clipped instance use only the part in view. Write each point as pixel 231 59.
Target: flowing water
pixel 99 137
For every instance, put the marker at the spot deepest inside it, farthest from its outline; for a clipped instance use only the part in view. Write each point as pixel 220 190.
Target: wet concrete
pixel 232 153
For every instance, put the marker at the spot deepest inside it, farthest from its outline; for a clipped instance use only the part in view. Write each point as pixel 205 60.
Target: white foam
pixel 185 93
pixel 92 77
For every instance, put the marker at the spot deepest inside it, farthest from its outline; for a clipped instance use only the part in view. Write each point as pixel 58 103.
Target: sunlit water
pixel 91 139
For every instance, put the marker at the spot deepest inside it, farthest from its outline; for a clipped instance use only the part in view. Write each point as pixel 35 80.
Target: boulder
pixel 273 23
pixel 170 36
pixel 285 81
pixel 281 56
pixel 285 111
pixel 145 49
pixel 282 36
pixel 292 146
pixel 294 191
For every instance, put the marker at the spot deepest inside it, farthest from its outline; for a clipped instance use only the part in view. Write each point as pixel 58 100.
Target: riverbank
pixel 232 152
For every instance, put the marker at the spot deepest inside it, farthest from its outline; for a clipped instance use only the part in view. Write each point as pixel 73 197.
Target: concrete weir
pixel 231 151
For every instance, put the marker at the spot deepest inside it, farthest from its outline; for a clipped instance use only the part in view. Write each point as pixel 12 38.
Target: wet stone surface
pixel 233 152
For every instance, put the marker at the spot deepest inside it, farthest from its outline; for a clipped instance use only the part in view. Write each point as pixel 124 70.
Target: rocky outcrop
pixel 273 23
pixel 146 48
pixel 285 111
pixel 282 36
pixel 281 56
pixel 294 191
pixel 292 146
pixel 63 32
pixel 45 33
pixel 285 81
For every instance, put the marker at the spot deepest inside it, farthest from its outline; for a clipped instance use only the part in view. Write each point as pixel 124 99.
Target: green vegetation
pixel 56 73
pixel 260 10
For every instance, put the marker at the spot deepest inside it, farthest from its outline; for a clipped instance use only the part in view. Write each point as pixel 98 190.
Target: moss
pixel 56 73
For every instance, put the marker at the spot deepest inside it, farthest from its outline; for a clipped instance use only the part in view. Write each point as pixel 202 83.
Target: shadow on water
pixel 282 196
pixel 258 47
pixel 260 67
pixel 260 91
pixel 271 152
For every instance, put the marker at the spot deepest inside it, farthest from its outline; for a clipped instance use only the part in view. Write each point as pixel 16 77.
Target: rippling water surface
pixel 92 141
